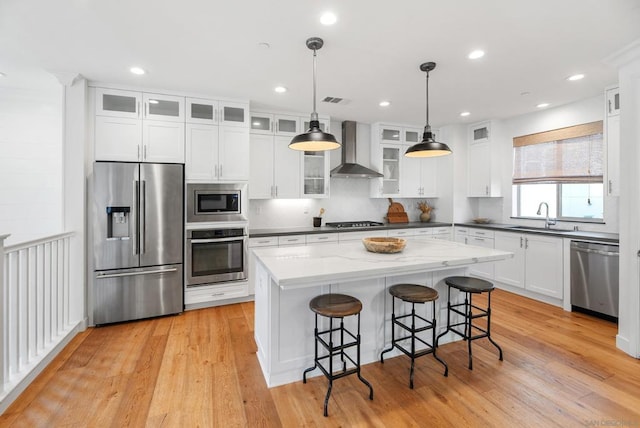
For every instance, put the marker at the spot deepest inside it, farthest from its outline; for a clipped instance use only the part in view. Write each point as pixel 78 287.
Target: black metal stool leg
pixel 467 327
pixel 363 380
pixel 448 319
pixel 315 354
pixel 326 398
pixel 413 343
pixel 489 326
pixel 393 336
pixel 446 368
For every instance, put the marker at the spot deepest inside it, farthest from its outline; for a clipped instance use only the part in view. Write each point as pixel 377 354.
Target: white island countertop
pixel 306 266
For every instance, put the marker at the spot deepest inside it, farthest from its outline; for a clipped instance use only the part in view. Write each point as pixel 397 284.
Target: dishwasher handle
pixel 592 251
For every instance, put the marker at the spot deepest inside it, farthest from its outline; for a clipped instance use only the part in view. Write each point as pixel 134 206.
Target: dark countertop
pixel 563 233
pixel 280 231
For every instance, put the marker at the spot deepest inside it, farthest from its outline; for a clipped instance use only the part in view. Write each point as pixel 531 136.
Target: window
pixel 563 168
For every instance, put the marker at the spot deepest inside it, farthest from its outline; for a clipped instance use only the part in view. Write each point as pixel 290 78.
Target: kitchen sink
pixel 539 229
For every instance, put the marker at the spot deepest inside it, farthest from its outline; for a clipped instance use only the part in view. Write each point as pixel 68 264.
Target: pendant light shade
pixel 314 139
pixel 428 147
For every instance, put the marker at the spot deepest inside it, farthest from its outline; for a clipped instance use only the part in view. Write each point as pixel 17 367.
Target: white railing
pixel 35 304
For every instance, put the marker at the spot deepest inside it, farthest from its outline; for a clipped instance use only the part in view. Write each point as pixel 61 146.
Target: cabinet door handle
pixel 609 186
pixel 526 243
pixel 220 170
pixel 139 112
pixel 138 151
pixel 609 106
pixel 145 152
pixel 486 190
pixel 521 242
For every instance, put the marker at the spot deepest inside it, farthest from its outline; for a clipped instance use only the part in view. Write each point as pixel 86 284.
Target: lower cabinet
pixel 213 293
pixel 481 238
pixel 537 265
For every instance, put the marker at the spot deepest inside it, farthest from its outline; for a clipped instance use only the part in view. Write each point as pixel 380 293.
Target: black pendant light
pixel 314 139
pixel 428 147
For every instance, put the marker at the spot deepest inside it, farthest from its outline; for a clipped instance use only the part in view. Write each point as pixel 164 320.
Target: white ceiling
pixel 372 53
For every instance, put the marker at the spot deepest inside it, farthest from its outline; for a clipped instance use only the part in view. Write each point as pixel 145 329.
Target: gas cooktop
pixel 353 224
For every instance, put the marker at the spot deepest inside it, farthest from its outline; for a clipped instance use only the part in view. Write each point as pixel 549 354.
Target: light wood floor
pixel 200 369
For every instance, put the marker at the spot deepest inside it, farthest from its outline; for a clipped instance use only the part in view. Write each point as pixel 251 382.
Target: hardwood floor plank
pixel 200 369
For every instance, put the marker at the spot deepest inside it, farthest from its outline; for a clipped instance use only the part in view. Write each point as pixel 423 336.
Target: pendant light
pixel 314 139
pixel 428 147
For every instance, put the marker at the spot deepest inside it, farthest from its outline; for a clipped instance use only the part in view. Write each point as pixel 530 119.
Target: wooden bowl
pixel 384 245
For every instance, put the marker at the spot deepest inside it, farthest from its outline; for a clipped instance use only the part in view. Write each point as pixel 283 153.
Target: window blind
pixel 566 155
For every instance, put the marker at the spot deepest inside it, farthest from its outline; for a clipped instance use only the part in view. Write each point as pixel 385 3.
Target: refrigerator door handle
pixel 148 272
pixel 134 216
pixel 143 214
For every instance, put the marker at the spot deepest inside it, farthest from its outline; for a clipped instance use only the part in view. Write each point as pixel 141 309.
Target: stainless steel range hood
pixel 349 168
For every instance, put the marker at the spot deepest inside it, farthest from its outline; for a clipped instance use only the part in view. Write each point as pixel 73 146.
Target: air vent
pixel 333 100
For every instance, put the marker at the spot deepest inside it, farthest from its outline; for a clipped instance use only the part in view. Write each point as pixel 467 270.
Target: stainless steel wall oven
pixel 216 255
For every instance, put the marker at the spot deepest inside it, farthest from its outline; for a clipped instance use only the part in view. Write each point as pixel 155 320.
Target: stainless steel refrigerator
pixel 137 240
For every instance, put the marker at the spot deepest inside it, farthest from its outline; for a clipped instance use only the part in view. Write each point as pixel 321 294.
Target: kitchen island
pixel 287 278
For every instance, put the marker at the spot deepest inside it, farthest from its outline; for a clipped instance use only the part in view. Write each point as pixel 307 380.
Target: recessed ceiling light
pixel 465 114
pixel 137 70
pixel 264 45
pixel 2 74
pixel 328 18
pixel 543 105
pixel 525 93
pixel 575 77
pixel 384 103
pixel 280 89
pixel 476 54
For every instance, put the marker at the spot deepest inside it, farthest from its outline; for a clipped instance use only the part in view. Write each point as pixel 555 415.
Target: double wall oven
pixel 216 240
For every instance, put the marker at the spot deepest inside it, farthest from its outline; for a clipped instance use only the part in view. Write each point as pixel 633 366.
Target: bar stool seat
pixel 336 306
pixel 414 294
pixel 470 312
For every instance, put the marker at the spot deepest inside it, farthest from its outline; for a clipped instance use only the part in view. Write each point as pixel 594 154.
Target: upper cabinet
pixel 612 137
pixel 403 177
pixel 137 126
pixel 276 170
pixel 483 164
pixel 275 124
pixel 217 141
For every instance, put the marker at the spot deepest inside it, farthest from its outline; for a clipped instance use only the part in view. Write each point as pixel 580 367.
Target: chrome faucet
pixel 548 222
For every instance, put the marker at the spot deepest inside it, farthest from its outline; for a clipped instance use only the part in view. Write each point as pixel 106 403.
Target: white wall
pixel 588 110
pixel 30 162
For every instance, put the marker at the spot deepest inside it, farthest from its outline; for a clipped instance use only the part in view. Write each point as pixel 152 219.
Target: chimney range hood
pixel 349 168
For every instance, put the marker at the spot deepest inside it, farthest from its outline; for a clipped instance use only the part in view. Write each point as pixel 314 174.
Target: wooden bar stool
pixel 469 286
pixel 336 306
pixel 413 293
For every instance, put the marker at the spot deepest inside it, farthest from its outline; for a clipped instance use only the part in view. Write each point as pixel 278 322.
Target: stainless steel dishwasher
pixel 594 278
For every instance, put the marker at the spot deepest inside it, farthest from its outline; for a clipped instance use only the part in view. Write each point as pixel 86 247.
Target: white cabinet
pixel 137 126
pixel 461 235
pixel 418 175
pixel 481 238
pixel 315 174
pixel 217 112
pixel 274 168
pixel 537 265
pixel 403 177
pixel 442 233
pixel 279 172
pixel 612 136
pixel 216 153
pixel 278 124
pixel 483 161
pixel 386 158
pixel 322 238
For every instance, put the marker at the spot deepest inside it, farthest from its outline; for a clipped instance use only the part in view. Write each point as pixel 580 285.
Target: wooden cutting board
pixel 396 213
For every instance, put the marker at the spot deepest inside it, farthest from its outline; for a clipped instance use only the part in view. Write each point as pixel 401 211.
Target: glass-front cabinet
pixel 315 169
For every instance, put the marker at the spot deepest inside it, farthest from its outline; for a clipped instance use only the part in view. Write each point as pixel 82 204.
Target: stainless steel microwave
pixel 216 202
